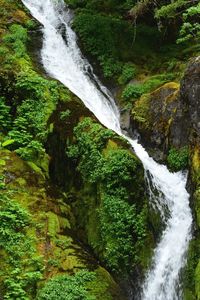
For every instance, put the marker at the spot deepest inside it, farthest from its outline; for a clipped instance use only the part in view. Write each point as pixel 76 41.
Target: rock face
pixel 154 117
pixel 190 96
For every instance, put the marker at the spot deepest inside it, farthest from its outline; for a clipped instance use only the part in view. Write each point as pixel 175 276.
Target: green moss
pixel 151 111
pixel 141 111
pixel 197 281
pixel 103 286
pixel 35 168
pixel 53 224
pixel 21 181
pixel 64 223
pixel 2 162
pixel 188 295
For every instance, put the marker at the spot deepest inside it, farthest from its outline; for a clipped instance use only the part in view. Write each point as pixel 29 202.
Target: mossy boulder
pixel 154 117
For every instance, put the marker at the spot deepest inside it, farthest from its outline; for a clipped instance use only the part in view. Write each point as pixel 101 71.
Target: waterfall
pixel 63 61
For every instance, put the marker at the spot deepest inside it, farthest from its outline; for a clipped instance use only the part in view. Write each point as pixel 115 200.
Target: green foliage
pixel 106 38
pixel 190 29
pixel 110 66
pixel 128 72
pixel 13 221
pixel 91 138
pixel 76 3
pixel 133 91
pixel 5 117
pixel 170 10
pixel 64 115
pixel 122 225
pixel 28 126
pixel 122 230
pixel 17 39
pixel 104 6
pixel 2 183
pixel 186 11
pixel 13 240
pixel 31 96
pixel 65 287
pixel 118 170
pixel 178 159
pixel 189 276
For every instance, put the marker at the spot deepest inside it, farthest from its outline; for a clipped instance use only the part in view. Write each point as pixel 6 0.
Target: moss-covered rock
pixel 154 116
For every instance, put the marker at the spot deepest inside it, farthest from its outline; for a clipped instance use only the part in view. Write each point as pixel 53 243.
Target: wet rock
pixel 153 115
pixel 125 120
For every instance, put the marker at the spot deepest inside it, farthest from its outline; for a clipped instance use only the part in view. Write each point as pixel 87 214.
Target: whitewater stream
pixel 62 60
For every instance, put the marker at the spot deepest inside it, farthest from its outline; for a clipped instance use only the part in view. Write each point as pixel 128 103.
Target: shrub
pixel 17 39
pixel 65 287
pixel 133 91
pixel 128 73
pixel 64 115
pixel 178 159
pixel 122 230
pixel 110 66
pixel 106 38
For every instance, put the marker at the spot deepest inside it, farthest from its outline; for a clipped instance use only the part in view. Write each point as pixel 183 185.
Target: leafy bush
pixel 5 117
pixel 190 29
pixel 17 39
pixel 110 66
pixel 128 73
pixel 29 129
pixel 106 38
pixel 178 159
pixel 122 230
pixel 64 115
pixel 38 97
pixel 188 13
pixel 133 91
pixel 91 138
pixel 65 287
pixel 13 221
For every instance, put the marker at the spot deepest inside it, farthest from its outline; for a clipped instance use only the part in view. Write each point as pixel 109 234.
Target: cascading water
pixel 63 60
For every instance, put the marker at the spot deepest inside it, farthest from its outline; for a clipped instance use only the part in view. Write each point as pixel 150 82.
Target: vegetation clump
pixel 178 159
pixel 122 222
pixel 68 287
pixel 25 267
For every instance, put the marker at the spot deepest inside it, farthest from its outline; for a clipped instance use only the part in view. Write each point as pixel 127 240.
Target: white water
pixel 63 60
